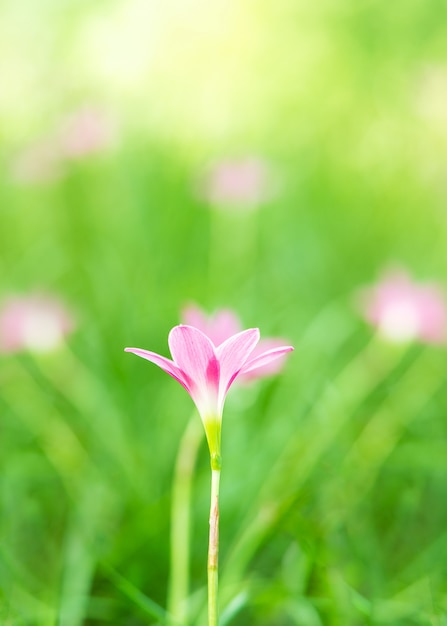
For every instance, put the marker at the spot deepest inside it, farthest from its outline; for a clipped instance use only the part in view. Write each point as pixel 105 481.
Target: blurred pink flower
pixel 38 162
pixel 223 324
pixel 404 310
pixel 34 322
pixel 86 131
pixel 83 132
pixel 243 183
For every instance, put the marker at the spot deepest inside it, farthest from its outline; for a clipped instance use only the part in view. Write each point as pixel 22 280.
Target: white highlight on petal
pixel 40 332
pixel 35 322
pixel 400 322
pixel 405 310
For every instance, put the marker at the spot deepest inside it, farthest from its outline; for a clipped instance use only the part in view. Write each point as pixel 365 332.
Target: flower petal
pixel 194 354
pixel 232 355
pixel 264 359
pixel 192 315
pixel 217 327
pixel 166 364
pixel 269 369
pixel 223 325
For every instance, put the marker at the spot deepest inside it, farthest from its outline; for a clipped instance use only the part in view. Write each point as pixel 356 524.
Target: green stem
pixel 178 586
pixel 213 549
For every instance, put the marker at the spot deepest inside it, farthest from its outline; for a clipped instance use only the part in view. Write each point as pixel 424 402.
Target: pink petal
pixel 238 183
pixel 232 355
pixel 166 364
pixel 218 327
pixel 264 359
pixel 194 353
pixel 223 325
pixel 86 131
pixel 269 369
pixel 193 315
pixel 403 309
pixel 36 322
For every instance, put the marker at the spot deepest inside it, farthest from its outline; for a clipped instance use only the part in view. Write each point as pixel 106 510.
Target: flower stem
pixel 213 549
pixel 178 589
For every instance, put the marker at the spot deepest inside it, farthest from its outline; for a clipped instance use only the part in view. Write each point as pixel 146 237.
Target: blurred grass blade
pixel 142 601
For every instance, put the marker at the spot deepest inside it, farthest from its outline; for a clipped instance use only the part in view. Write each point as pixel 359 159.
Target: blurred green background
pixel 334 496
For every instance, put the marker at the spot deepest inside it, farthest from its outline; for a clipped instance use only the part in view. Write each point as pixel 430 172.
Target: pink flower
pixel 38 162
pixel 404 310
pixel 239 184
pixel 34 322
pixel 86 131
pixel 207 372
pixel 221 326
